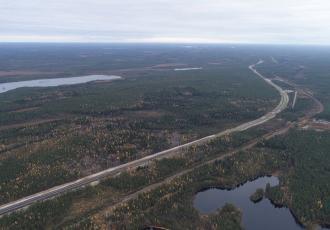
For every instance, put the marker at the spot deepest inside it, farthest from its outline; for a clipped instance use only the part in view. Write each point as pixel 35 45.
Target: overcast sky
pixel 215 21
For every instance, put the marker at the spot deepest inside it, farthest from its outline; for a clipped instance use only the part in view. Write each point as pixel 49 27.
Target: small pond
pixel 256 216
pixel 4 87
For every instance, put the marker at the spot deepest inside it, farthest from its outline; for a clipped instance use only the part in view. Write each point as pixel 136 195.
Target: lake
pixel 5 87
pixel 188 69
pixel 256 216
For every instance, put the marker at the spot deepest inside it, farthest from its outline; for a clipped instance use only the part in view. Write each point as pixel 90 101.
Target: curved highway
pixel 94 178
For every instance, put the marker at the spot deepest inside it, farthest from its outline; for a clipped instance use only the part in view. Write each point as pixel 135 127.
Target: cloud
pixel 252 21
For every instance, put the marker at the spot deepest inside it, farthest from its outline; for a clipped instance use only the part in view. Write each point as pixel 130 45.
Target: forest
pixel 54 135
pixel 304 188
pixel 82 206
pixel 50 136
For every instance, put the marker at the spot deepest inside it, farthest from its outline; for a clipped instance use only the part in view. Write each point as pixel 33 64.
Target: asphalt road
pixel 61 189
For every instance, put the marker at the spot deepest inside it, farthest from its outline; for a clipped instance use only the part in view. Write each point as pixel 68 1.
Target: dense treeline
pixel 308 68
pixel 305 187
pixel 156 171
pixel 106 124
pixel 145 175
pixel 171 204
pixel 52 164
pixel 94 126
pixel 40 216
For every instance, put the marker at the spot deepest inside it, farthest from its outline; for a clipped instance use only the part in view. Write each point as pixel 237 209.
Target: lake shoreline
pixel 222 189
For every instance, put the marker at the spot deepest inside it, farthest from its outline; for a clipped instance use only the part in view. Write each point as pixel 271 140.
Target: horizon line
pixel 163 43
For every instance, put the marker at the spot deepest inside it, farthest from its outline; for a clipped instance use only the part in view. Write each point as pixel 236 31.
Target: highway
pixel 61 189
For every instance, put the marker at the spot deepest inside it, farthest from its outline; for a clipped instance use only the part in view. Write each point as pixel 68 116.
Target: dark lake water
pixel 262 215
pixel 4 87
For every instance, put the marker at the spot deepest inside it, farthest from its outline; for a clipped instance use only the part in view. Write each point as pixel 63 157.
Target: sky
pixel 167 21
